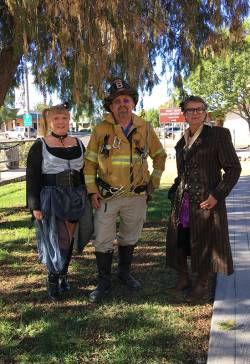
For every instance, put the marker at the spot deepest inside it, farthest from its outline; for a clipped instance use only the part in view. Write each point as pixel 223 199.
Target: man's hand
pixel 38 215
pixel 95 200
pixel 209 203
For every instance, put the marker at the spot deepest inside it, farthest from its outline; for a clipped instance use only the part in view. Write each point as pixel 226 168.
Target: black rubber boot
pixel 124 266
pixel 104 262
pixel 53 287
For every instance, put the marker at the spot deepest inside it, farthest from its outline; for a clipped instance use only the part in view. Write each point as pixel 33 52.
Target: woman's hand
pixel 95 200
pixel 38 215
pixel 209 203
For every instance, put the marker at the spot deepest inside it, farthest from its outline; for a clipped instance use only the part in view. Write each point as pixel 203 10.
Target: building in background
pixel 239 130
pixel 18 121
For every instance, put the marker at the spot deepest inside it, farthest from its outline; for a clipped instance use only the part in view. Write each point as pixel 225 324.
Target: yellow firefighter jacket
pixel 120 160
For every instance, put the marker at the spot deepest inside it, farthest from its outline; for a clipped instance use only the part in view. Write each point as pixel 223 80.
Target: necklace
pixel 60 137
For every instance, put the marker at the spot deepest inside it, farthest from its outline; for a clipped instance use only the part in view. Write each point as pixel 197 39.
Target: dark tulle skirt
pixel 53 239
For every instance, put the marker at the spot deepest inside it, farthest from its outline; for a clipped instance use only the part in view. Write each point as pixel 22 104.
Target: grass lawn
pixel 150 326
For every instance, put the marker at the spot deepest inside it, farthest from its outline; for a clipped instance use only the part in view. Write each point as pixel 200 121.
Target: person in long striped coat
pixel 208 168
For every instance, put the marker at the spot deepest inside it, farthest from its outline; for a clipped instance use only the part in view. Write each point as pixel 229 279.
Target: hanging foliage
pixel 76 46
pixel 224 82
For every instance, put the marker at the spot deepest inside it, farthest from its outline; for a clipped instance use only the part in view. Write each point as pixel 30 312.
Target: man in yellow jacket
pixel 119 182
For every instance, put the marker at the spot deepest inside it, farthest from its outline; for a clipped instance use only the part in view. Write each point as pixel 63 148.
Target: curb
pixel 13 180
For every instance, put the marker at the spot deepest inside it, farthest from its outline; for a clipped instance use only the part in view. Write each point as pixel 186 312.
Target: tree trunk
pixel 9 59
pixel 248 121
pixel 219 121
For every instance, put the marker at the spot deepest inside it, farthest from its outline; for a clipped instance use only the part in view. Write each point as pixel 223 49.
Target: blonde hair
pixel 48 114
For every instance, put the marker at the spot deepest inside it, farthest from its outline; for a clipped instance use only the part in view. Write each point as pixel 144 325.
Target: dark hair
pixel 184 103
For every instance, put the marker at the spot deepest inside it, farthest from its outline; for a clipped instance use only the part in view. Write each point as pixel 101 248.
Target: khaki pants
pixel 132 213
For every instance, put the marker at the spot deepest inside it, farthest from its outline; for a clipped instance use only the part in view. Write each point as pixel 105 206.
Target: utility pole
pixel 27 100
pixel 26 87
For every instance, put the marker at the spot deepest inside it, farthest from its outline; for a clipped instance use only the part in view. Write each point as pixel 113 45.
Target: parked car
pixel 170 132
pixel 21 132
pixel 79 133
pixel 85 130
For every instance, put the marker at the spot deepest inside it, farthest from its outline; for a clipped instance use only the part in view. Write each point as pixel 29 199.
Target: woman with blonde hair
pixel 56 194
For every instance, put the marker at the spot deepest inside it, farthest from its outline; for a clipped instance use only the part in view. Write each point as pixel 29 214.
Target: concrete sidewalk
pixel 12 175
pixel 230 328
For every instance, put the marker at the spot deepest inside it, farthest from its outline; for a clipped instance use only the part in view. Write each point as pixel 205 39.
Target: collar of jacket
pixel 136 120
pixel 195 147
pixel 204 133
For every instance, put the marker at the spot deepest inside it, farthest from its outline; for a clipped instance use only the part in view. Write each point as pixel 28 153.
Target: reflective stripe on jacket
pixel 121 161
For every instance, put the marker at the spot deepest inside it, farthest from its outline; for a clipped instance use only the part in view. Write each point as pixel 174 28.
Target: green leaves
pixel 7 112
pixel 152 115
pixel 75 49
pixel 224 81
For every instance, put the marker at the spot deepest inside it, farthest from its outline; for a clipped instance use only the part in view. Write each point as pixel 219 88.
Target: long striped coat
pixel 200 172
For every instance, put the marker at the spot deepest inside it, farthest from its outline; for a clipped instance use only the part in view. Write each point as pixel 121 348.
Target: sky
pixel 35 96
pixel 157 97
pixel 153 100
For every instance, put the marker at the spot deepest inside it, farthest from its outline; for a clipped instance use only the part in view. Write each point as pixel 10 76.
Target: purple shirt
pixel 184 211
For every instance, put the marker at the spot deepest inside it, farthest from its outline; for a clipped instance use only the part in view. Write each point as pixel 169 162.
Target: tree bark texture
pixel 9 59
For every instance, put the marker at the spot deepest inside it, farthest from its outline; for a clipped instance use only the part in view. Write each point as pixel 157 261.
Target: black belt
pixel 70 178
pixel 112 190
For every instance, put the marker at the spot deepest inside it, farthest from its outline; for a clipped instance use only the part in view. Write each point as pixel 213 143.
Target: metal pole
pixel 27 100
pixel 164 139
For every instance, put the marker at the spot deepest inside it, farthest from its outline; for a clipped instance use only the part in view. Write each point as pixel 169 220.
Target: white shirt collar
pixel 189 140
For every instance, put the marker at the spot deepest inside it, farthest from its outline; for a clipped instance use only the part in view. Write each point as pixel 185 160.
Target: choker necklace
pixel 60 137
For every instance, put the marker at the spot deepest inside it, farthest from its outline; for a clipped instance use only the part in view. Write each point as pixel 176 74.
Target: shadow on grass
pixel 128 326
pixel 21 245
pixel 124 330
pixel 86 330
pixel 145 326
pixel 23 223
pixel 148 267
pixel 7 211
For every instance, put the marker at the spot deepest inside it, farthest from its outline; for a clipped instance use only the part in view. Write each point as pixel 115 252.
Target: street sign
pixel 27 119
pixel 171 115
